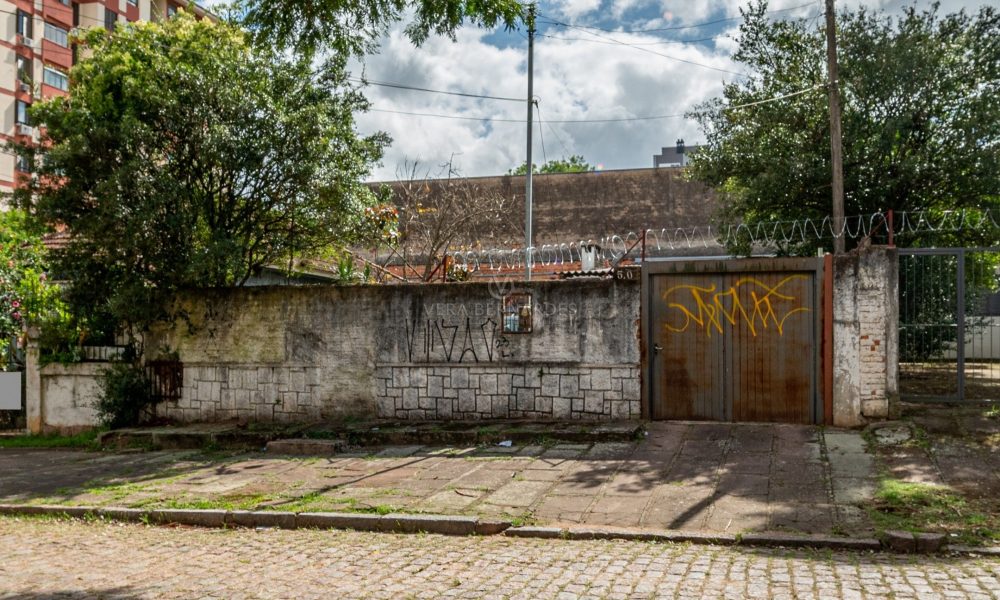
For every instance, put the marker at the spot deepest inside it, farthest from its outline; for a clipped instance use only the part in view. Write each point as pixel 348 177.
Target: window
pixel 22 113
pixel 171 11
pixel 24 69
pixel 516 313
pixel 110 18
pixel 57 35
pixel 56 79
pixel 24 24
pixel 23 164
pixel 64 2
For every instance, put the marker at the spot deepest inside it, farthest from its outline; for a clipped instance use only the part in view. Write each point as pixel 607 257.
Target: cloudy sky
pixel 581 73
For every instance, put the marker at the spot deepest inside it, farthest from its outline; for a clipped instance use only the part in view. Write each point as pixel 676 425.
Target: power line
pixel 611 43
pixel 541 135
pixel 659 43
pixel 653 52
pixel 613 120
pixel 401 86
pixel 678 27
pixel 506 120
pixel 554 132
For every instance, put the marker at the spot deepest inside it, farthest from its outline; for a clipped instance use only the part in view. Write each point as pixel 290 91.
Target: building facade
pixel 36 55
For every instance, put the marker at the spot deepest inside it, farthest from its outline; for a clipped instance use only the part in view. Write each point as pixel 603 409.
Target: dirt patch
pixel 945 477
pixel 940 379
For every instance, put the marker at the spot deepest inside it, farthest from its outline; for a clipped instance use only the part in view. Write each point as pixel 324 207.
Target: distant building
pixel 37 54
pixel 584 207
pixel 674 157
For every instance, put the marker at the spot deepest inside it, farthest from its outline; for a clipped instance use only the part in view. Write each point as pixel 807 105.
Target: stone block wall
pixel 865 335
pixel 533 391
pixel 409 352
pixel 264 393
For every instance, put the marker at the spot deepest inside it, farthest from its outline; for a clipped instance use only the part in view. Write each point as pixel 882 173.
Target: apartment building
pixel 36 56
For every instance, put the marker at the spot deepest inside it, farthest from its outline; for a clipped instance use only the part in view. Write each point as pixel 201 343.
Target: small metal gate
pixel 734 340
pixel 949 324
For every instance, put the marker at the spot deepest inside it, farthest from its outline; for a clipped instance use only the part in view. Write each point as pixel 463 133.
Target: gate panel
pixel 949 324
pixel 690 363
pixel 734 341
pixel 773 340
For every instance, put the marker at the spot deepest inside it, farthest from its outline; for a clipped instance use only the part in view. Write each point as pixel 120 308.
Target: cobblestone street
pixel 66 559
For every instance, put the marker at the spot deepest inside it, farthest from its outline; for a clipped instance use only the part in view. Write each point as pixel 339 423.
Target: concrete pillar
pixel 33 383
pixel 865 335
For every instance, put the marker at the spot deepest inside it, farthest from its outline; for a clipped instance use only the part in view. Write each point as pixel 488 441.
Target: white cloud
pixel 576 8
pixel 573 80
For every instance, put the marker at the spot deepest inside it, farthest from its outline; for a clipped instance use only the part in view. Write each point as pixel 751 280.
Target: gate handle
pixel 657 348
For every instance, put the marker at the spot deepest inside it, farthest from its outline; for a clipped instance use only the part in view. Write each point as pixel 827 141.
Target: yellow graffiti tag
pixel 707 306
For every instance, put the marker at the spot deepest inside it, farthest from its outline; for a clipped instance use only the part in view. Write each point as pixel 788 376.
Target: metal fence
pixel 949 324
pixel 166 379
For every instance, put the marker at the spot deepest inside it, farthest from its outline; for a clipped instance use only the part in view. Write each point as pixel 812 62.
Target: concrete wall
pixel 293 354
pixel 865 335
pixel 60 398
pixel 406 352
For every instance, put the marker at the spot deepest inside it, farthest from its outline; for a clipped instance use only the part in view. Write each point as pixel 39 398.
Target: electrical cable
pixel 655 53
pixel 566 153
pixel 676 28
pixel 541 135
pixel 614 120
pixel 401 86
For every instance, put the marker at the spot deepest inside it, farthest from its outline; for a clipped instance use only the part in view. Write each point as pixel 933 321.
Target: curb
pixel 454 526
pixel 390 523
pixel 717 539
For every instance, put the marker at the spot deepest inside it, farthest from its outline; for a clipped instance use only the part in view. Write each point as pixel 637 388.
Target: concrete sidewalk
pixel 689 476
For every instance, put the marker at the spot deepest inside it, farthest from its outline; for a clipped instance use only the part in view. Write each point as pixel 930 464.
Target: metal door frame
pixel 960 254
pixel 821 400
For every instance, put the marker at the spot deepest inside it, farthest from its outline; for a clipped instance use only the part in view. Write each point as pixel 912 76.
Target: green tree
pixel 355 27
pixel 27 296
pixel 574 164
pixel 186 156
pixel 921 120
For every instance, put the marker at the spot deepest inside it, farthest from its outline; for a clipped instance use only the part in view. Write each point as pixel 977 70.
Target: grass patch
pixel 84 441
pixel 923 507
pixel 241 502
pixel 524 519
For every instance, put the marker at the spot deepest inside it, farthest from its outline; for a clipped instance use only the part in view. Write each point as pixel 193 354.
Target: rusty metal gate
pixel 735 340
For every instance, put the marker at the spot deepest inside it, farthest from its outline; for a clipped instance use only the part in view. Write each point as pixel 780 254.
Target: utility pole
pixel 528 259
pixel 836 143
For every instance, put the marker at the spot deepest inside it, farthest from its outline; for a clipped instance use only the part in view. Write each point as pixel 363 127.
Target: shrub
pixel 126 392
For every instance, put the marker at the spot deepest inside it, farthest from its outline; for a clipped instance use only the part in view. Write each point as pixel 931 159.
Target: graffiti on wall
pixel 749 302
pixel 444 340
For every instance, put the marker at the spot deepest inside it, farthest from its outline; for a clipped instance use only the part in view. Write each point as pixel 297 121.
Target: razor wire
pixel 614 247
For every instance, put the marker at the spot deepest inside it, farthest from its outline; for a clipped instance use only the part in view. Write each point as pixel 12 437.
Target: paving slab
pixel 736 515
pixel 844 442
pixel 681 476
pixel 853 490
pixel 521 494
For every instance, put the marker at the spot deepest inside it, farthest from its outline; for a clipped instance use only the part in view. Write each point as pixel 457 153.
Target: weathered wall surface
pixel 60 398
pixel 293 354
pixel 865 335
pixel 407 352
pixel 68 395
